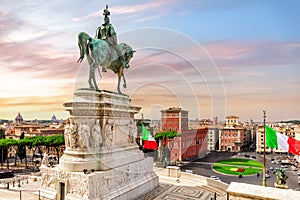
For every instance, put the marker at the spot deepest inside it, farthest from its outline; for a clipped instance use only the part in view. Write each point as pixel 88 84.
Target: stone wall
pixel 244 191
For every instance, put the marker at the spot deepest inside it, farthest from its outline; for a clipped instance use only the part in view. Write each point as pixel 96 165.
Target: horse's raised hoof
pixel 80 59
pixel 124 85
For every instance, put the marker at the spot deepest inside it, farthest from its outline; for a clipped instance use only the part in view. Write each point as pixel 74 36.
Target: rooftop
pixel 173 109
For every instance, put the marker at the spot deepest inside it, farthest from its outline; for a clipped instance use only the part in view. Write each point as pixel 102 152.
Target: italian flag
pixel 275 139
pixel 149 141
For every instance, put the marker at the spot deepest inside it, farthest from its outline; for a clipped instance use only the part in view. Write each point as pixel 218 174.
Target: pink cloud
pixel 133 10
pixel 253 53
pixel 139 8
pixel 38 60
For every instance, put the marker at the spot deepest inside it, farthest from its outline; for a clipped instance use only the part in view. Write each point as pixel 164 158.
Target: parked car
pixel 189 171
pixel 216 178
pixel 268 176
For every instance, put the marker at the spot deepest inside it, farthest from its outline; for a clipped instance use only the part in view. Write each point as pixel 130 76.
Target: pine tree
pixel 21 152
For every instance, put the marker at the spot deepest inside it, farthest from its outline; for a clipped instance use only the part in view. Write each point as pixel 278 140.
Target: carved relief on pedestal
pixel 96 135
pixel 78 185
pixel 72 134
pixel 109 128
pixel 132 132
pixel 48 180
pixel 78 134
pixel 84 133
pixel 63 176
pixel 98 187
pixel 66 133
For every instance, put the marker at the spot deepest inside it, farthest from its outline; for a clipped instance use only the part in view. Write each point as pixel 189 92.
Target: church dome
pixel 19 119
pixel 53 119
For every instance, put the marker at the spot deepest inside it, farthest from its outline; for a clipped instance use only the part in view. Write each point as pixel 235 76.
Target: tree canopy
pixel 166 135
pixel 49 141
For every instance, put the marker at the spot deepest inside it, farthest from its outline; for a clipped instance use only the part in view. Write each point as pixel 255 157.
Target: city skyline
pixel 211 58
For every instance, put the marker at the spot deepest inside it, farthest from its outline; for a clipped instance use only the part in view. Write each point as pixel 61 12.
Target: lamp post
pixel 2 157
pixel 264 183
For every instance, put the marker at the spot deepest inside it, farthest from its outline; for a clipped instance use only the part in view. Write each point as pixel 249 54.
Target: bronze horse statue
pixel 99 54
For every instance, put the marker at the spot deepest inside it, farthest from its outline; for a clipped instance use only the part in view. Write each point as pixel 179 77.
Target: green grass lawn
pixel 242 162
pixel 250 166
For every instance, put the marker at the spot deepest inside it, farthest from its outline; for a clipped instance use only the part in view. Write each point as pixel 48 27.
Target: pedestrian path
pixel 185 187
pixel 173 192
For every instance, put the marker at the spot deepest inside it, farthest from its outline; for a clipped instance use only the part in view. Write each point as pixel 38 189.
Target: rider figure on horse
pixel 107 32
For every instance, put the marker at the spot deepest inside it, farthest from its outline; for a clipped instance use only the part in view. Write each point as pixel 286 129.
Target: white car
pixel 189 171
pixel 215 178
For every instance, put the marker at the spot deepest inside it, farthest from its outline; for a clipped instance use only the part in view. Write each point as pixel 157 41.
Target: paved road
pixel 203 167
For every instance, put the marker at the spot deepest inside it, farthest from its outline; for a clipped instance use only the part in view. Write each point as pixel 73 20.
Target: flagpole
pixel 264 183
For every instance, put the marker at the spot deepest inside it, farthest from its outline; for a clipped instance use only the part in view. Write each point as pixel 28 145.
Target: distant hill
pixel 291 121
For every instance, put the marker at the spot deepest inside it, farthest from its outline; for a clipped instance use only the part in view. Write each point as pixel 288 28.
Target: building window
pixel 175 145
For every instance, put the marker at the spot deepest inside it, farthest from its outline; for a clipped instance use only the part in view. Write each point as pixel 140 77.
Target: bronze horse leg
pixel 92 76
pixel 120 75
pixel 120 72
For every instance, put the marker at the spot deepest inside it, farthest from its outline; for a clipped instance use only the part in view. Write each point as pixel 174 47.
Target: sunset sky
pixel 210 57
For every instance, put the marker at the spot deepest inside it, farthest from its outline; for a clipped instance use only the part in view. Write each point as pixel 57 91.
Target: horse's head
pixel 127 52
pixel 128 55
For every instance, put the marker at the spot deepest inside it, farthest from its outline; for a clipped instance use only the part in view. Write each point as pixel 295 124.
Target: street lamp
pixel 264 183
pixel 2 158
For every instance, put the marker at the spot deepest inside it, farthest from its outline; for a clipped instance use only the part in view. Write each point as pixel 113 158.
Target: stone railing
pixel 244 191
pixel 173 175
pixel 216 186
pixel 14 180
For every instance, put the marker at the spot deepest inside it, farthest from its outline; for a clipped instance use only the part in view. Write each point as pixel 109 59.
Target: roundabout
pixel 238 166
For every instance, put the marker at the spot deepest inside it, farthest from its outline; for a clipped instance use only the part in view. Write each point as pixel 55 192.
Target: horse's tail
pixel 83 39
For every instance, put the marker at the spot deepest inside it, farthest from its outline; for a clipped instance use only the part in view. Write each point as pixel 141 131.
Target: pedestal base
pixel 280 186
pixel 127 182
pixel 101 160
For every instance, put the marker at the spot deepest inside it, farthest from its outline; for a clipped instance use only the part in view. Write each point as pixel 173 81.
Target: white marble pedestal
pixel 114 166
